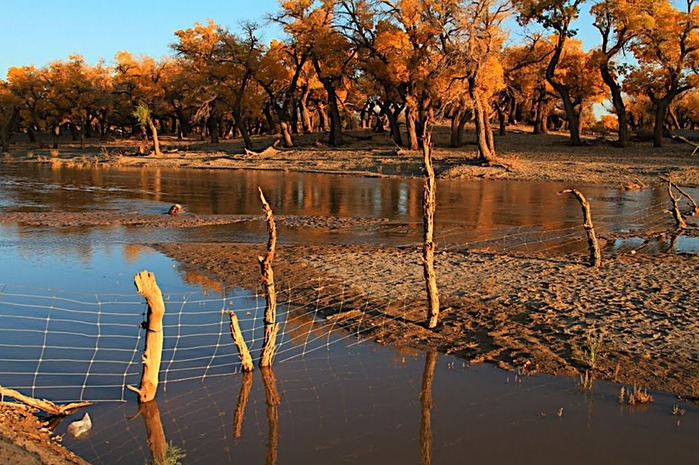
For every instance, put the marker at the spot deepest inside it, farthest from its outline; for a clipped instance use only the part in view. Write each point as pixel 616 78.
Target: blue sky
pixel 40 31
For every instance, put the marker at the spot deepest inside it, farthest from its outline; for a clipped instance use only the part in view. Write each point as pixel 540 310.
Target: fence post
pixel 592 243
pixel 153 352
pixel 429 205
pixel 271 325
pixel 676 213
pixel 239 341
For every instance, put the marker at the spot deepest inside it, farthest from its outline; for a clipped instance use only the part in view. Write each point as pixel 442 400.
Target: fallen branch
pixel 43 404
pixel 269 151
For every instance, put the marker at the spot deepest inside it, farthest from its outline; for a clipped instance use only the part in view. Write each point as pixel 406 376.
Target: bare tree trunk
pixel 482 128
pixel 286 133
pixel 148 288
pixel 271 325
pixel 156 141
pixel 303 108
pixel 676 213
pixel 239 341
pixel 411 127
pixel 429 205
pixel 593 244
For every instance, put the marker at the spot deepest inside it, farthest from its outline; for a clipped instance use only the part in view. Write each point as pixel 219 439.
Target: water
pixel 527 215
pixel 346 400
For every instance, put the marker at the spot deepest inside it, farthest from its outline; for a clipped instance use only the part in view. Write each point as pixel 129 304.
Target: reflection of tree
pixel 426 408
pixel 245 387
pixel 132 252
pixel 190 276
pixel 272 399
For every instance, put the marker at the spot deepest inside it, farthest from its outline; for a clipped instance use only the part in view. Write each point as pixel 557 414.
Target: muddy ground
pixel 634 320
pixel 522 156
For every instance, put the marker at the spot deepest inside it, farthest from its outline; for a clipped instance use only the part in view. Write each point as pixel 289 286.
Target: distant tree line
pixel 391 65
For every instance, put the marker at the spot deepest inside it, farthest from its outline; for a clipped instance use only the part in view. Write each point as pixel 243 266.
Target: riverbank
pixel 522 156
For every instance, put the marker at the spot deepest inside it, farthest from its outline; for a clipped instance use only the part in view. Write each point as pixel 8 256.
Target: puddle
pixel 656 245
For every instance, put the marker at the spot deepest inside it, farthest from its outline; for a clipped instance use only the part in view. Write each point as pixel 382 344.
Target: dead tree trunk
pixel 429 204
pixel 239 341
pixel 676 213
pixel 271 325
pixel 148 288
pixel 592 243
pixel 694 208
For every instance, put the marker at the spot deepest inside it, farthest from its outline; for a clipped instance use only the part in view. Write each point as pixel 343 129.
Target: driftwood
pixel 43 404
pixel 269 151
pixel 152 355
pixel 271 325
pixel 429 205
pixel 239 341
pixel 593 244
pixel 677 138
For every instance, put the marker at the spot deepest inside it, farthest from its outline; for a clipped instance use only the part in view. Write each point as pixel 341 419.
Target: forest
pixel 389 65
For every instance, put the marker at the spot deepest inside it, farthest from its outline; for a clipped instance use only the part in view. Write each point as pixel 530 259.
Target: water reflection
pixel 467 211
pixel 426 408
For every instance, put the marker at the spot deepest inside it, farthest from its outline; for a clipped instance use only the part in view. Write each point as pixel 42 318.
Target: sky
pixel 36 32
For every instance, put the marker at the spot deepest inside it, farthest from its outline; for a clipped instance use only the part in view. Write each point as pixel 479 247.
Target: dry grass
pixel 637 396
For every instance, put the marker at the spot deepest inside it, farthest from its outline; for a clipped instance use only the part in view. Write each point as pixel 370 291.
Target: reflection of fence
pixel 69 346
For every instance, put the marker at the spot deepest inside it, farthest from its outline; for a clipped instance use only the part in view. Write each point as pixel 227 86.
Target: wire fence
pixel 86 347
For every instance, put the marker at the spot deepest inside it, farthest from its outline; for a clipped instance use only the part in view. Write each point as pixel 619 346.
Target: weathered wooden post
pixel 271 325
pixel 676 213
pixel 148 288
pixel 593 244
pixel 429 205
pixel 239 341
pixel 694 208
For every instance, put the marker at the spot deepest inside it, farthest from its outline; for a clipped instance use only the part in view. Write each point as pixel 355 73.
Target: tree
pixel 28 85
pixel 144 118
pixel 558 16
pixel 311 27
pixel 9 115
pixel 199 48
pixel 475 52
pixel 75 92
pixel 279 73
pixel 667 50
pixel 619 22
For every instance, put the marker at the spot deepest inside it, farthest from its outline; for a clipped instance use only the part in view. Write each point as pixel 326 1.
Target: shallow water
pixel 502 215
pixel 343 400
